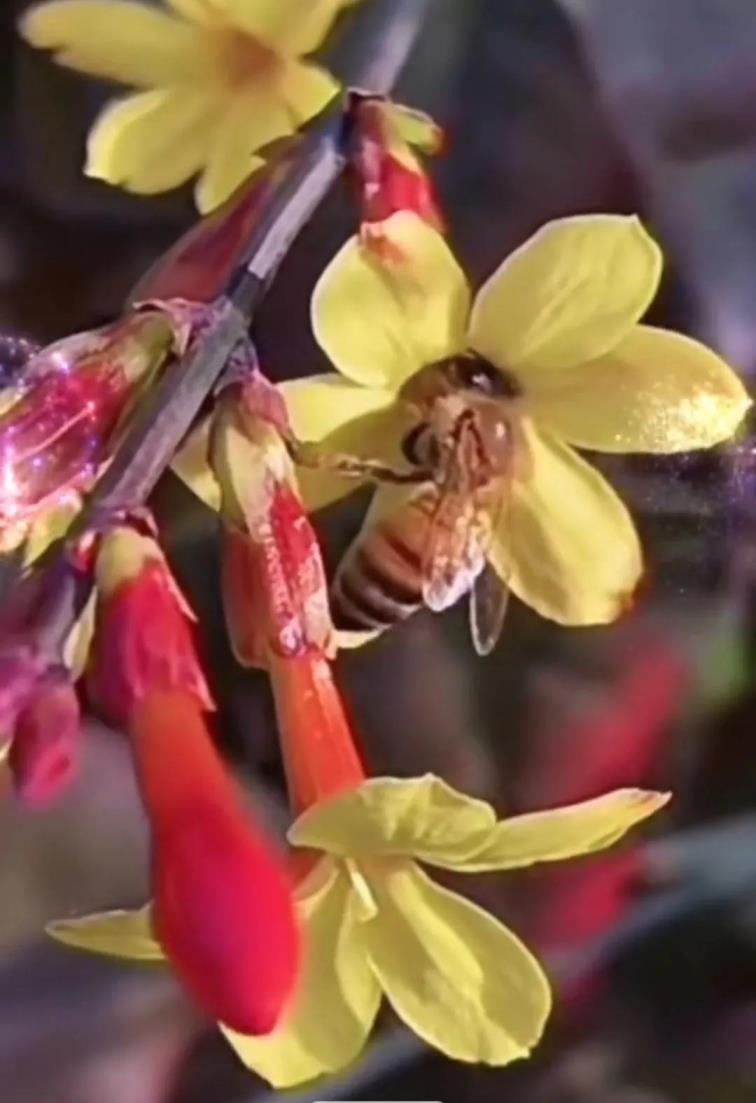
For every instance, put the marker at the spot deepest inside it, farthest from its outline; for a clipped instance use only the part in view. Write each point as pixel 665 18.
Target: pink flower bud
pixel 46 737
pixel 55 437
pixel 20 668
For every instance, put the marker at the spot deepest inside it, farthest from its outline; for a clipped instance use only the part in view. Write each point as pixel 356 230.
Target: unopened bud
pixel 20 668
pixel 143 638
pixel 46 736
pixel 223 906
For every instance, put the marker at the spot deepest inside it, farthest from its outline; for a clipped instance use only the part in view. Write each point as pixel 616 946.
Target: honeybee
pixel 467 448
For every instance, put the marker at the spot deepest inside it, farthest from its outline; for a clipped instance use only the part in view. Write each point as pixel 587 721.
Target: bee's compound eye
pixel 419 447
pixel 477 374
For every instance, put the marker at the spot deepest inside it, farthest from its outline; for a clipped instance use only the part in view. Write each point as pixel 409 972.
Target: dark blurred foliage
pixel 617 105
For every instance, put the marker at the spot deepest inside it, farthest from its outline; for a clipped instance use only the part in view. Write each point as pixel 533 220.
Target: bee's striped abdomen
pixel 379 581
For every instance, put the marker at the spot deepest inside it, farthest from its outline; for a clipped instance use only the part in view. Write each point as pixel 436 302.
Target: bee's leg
pixel 312 455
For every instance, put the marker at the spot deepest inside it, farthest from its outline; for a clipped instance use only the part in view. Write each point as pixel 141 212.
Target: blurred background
pixel 550 109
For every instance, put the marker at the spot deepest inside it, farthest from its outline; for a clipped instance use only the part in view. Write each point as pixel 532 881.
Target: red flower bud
pixel 46 738
pixel 274 586
pixel 143 638
pixel 199 265
pixel 223 910
pixel 275 595
pixel 388 175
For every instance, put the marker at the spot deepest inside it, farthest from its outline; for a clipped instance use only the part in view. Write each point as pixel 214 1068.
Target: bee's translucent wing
pixel 457 537
pixel 489 595
pixel 489 599
pixel 453 556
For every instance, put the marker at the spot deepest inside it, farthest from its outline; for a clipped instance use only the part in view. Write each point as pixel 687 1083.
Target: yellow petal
pixel 48 526
pixel 321 406
pixel 561 833
pixel 123 554
pixel 347 640
pixel 415 127
pixel 125 934
pixel 9 396
pixel 249 121
pixel 567 545
pixel 306 90
pixel 292 27
pixel 204 12
pixel 380 322
pixel 122 41
pixel 336 1002
pixel 245 453
pixel 193 468
pixel 345 418
pixel 656 391
pixel 78 642
pixel 569 294
pixel 152 141
pixel 422 817
pixel 452 972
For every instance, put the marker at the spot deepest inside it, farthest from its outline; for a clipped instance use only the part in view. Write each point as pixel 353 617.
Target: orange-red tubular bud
pixel 223 907
pixel 274 586
pixel 143 638
pixel 46 738
pixel 276 600
pixel 224 911
pixel 317 743
pixel 244 599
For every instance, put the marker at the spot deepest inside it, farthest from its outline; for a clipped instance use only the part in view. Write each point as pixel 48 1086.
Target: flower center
pixel 245 60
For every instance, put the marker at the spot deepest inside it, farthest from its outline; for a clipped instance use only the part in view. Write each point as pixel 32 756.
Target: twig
pixel 383 39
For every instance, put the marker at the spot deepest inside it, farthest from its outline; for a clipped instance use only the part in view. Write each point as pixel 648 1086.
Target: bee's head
pixel 468 371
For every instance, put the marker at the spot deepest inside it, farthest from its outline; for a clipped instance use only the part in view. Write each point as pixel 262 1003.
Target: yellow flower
pixel 560 317
pixel 376 925
pixel 220 80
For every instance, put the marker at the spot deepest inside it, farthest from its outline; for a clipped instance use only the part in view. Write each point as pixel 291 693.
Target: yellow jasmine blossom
pixel 560 318
pixel 218 80
pixel 376 925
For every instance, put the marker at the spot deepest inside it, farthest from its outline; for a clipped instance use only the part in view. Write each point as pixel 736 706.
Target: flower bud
pixel 21 666
pixel 275 591
pixel 56 435
pixel 388 175
pixel 143 639
pixel 46 738
pixel 223 906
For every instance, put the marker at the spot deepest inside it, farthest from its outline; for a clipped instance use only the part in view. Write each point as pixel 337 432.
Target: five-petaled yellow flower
pixel 221 79
pixel 560 318
pixel 376 925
